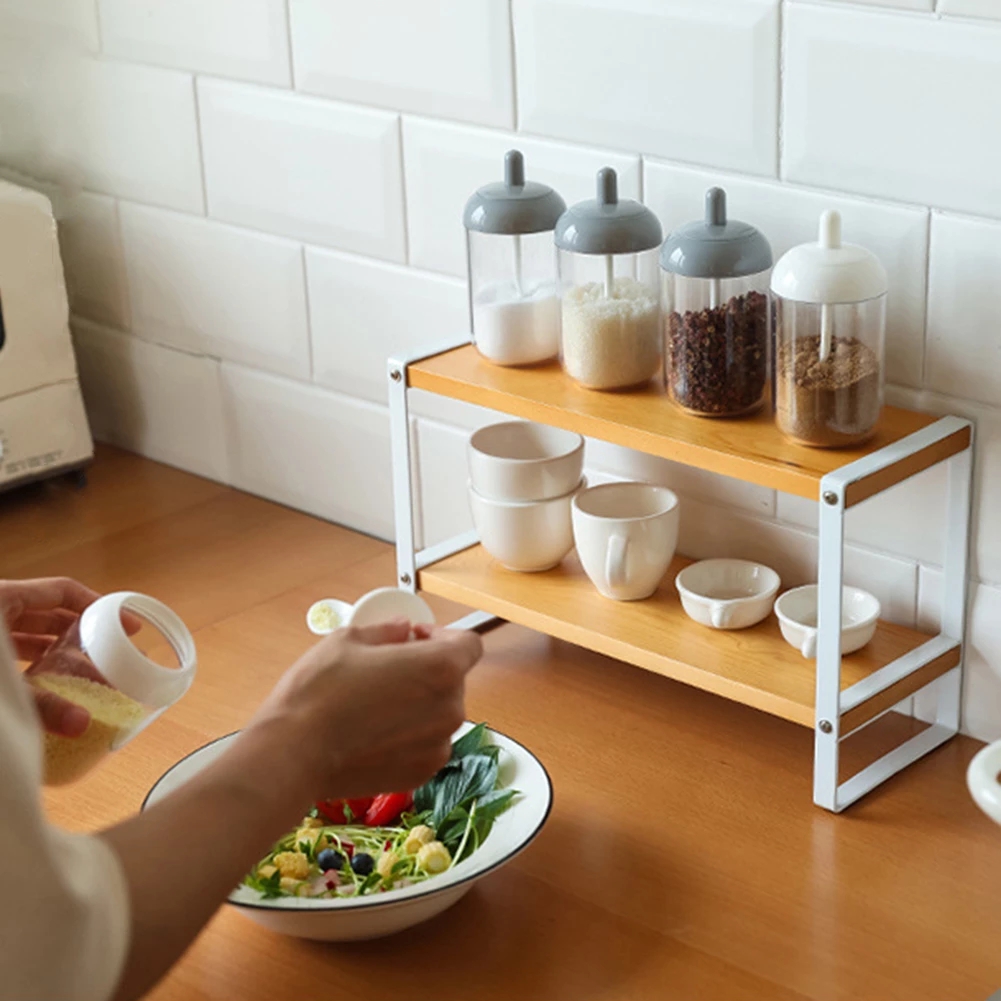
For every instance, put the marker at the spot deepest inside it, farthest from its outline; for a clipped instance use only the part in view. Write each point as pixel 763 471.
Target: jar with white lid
pixel 121 688
pixel 830 323
pixel 607 251
pixel 514 309
pixel 717 324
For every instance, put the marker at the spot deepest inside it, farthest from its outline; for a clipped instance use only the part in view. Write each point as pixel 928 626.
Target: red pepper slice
pixel 387 807
pixel 334 812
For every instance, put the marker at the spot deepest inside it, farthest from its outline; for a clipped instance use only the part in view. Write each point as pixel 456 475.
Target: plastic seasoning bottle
pixel 830 315
pixel 609 289
pixel 514 311
pixel 715 287
pixel 122 689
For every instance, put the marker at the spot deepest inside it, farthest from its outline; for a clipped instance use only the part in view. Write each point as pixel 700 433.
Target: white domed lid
pixel 829 271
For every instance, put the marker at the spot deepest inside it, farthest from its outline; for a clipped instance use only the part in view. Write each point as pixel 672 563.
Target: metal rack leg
pixel 827 721
pixel 403 482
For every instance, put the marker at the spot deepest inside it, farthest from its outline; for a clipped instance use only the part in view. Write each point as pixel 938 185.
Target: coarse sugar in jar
pixel 611 331
pixel 716 308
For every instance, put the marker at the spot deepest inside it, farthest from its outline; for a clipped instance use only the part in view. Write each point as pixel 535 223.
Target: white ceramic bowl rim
pixel 847 589
pixel 303 905
pixel 669 496
pixel 581 486
pixel 769 580
pixel 570 443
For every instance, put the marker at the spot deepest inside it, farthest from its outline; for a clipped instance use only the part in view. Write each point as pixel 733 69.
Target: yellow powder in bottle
pixel 111 713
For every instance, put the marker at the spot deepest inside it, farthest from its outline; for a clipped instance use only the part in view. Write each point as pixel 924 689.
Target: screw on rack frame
pixel 825 726
pixel 396 375
pixel 830 498
pixel 405 578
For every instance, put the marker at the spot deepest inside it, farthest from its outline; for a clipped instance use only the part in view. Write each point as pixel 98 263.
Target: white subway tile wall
pixel 265 200
pixel 363 311
pixel 148 398
pixel 971 8
pixel 214 289
pixel 247 39
pixel 899 107
pixel 305 168
pixel 692 79
pixel 91 246
pixel 451 58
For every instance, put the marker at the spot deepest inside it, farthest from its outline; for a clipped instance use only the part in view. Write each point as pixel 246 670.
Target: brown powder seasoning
pixel 831 403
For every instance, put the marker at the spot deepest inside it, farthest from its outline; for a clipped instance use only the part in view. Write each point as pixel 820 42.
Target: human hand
pixel 39 615
pixel 371 712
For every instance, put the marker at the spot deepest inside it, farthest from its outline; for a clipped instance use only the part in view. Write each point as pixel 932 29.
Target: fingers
pixel 43 594
pixel 30 647
pixel 52 622
pixel 67 660
pixel 396 631
pixel 59 716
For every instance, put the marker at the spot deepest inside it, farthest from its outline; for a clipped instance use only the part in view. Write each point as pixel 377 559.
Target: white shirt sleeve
pixel 64 906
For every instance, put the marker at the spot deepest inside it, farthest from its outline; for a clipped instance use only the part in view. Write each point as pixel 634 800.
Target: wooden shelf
pixel 753 666
pixel 749 449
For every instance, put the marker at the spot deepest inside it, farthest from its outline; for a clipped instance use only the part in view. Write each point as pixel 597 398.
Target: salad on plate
pixel 356 847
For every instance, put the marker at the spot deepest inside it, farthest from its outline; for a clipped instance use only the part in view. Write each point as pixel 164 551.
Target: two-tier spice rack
pixel 834 696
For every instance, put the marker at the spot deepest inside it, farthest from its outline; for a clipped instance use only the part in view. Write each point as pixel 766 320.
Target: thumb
pixel 60 716
pixel 395 631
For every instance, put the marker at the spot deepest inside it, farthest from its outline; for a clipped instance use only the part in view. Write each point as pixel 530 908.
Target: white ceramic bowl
pixel 375 916
pixel 797 615
pixel 528 536
pixel 727 594
pixel 521 461
pixel 984 779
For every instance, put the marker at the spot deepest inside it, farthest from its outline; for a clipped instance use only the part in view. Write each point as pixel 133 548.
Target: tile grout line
pixel 404 202
pixel 513 59
pixel 202 173
pixel 927 303
pixel 780 95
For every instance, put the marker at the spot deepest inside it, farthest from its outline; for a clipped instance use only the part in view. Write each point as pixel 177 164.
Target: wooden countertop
pixel 683 858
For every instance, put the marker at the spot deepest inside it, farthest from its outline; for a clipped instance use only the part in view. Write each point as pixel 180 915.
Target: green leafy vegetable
pixel 470 742
pixel 268 887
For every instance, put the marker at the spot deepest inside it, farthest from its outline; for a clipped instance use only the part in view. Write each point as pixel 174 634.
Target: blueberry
pixel 362 863
pixel 329 859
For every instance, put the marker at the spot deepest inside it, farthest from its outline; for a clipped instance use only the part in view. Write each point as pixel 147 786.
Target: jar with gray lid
pixel 715 285
pixel 514 308
pixel 609 290
pixel 830 324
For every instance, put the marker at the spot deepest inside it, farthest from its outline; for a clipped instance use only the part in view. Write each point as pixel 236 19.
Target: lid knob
pixel 608 186
pixel 830 229
pixel 514 169
pixel 715 207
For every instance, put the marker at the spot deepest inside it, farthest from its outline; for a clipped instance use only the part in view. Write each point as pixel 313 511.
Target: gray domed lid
pixel 513 205
pixel 716 247
pixel 606 225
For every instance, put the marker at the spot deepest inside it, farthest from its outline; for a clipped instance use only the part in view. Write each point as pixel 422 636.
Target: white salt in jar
pixel 607 253
pixel 514 308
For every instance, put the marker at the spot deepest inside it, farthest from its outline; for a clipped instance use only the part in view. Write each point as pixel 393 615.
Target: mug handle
pixel 984 784
pixel 719 615
pixel 809 646
pixel 615 561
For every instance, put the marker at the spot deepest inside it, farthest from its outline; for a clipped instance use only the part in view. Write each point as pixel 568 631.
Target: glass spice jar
pixel 830 324
pixel 611 336
pixel 715 295
pixel 513 305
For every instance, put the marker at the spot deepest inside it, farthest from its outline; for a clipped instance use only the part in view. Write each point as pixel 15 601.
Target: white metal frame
pixel 828 791
pixel 410 559
pixel 831 702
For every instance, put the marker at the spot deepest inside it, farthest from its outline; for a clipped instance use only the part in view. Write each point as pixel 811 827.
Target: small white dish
pixel 353 918
pixel 984 780
pixel 326 615
pixel 521 461
pixel 527 536
pixel 381 605
pixel 797 615
pixel 727 594
pixel 387 603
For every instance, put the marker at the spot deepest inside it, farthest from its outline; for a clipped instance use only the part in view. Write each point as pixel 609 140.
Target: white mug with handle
pixel 626 534
pixel 984 780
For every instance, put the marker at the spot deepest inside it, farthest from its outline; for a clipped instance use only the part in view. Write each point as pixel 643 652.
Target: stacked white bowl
pixel 522 480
